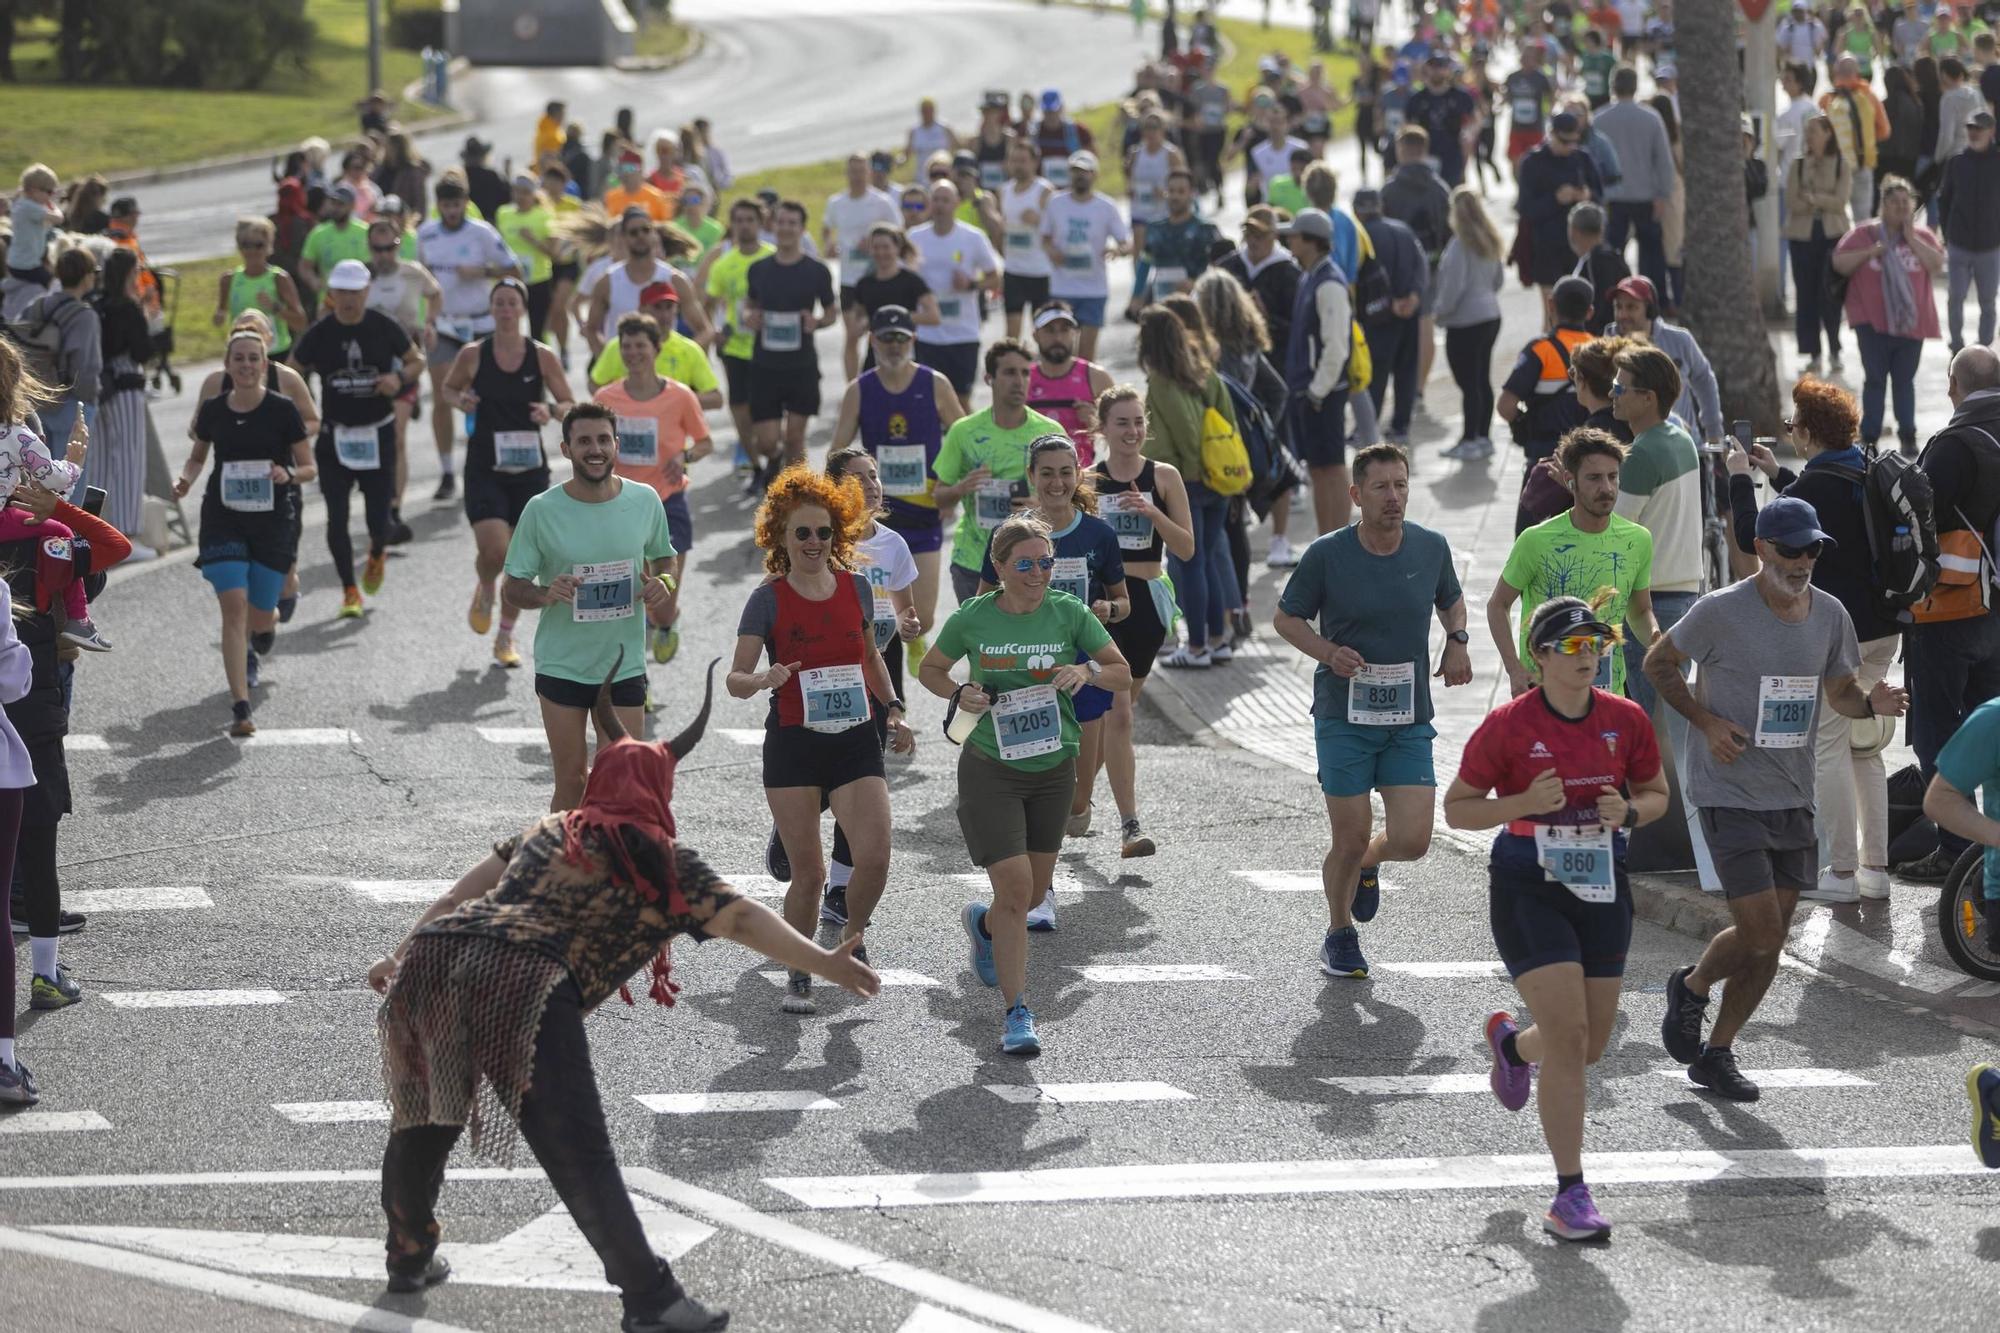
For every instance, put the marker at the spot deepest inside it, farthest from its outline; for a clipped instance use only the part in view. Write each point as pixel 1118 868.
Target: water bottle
pixel 962 723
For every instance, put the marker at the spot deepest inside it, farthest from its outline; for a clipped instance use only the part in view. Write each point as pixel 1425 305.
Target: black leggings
pixel 378 492
pixel 1469 353
pixel 1238 532
pixel 35 857
pixel 894 658
pixel 10 832
pixel 538 306
pixel 563 1121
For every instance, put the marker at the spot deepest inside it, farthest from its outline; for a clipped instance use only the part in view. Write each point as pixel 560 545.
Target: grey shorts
pixel 1006 811
pixel 1755 850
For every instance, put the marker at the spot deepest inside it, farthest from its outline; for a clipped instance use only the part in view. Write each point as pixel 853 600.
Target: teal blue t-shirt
pixel 607 545
pixel 1971 760
pixel 1378 605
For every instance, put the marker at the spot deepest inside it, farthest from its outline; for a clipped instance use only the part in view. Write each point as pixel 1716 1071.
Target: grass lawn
pixel 662 39
pixel 195 339
pixel 78 130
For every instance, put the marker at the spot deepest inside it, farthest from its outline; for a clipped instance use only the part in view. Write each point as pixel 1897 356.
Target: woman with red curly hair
pixel 813 619
pixel 1851 782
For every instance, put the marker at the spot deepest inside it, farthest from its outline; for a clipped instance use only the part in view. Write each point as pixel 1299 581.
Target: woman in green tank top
pixel 255 285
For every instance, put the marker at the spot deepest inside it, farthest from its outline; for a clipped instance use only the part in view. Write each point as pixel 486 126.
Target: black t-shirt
pixel 349 358
pixel 263 435
pixel 906 288
pixel 787 295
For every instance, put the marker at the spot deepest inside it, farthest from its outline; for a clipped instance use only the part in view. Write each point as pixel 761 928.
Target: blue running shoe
pixel 1340 954
pixel 973 917
pixel 1367 894
pixel 833 906
pixel 1020 1038
pixel 1982 1085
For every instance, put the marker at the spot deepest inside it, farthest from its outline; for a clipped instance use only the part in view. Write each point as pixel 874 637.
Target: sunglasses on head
pixel 1811 550
pixel 805 534
pixel 1576 645
pixel 1024 564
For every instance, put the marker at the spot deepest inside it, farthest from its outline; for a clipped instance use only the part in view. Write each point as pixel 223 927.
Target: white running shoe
pixel 1872 883
pixel 1282 556
pixel 1834 888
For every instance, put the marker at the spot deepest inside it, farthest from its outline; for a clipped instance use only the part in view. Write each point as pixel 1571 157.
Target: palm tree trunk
pixel 1721 306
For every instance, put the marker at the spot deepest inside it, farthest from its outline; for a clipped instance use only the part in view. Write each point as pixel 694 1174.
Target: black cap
pixel 881 161
pixel 1368 203
pixel 892 319
pixel 1577 619
pixel 964 160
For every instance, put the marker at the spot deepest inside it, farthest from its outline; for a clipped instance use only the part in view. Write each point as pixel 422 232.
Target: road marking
pixel 52 1122
pixel 703 1103
pixel 332 1113
pixel 756 886
pixel 1068 1093
pixel 930 1319
pixel 1272 881
pixel 189 999
pixel 514 735
pixel 1443 1085
pixel 1784 1078
pixel 1137 972
pixel 400 890
pixel 160 899
pixel 1384 1175
pixel 166 1179
pixel 305 1305
pixel 891 976
pixel 1442 970
pixel 302 736
pixel 742 735
pixel 1063 883
pixel 85 744
pixel 1985 990
pixel 1820 939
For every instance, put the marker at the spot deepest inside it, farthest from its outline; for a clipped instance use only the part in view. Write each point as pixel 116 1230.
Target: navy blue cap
pixel 1792 521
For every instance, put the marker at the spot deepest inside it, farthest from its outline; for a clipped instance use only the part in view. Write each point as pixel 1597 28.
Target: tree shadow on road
pixel 1358 1033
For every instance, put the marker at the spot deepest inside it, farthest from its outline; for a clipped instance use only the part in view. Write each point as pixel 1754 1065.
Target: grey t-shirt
pixel 1766 676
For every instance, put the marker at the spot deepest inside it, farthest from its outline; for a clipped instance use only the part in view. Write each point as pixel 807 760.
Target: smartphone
pixel 1018 491
pixel 1743 431
pixel 93 499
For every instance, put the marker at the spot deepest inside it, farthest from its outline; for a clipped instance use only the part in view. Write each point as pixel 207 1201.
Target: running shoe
pixel 57 992
pixel 913 653
pixel 447 487
pixel 776 863
pixel 1834 888
pixel 432 1273
pixel 373 571
pixel 83 634
pixel 1680 1029
pixel 833 906
pixel 1340 954
pixel 351 607
pixel 504 651
pixel 798 993
pixel 972 916
pixel 1020 1038
pixel 17 1086
pixel 400 533
pixel 287 607
pixel 686 1315
pixel 1574 1216
pixel 1185 657
pixel 251 675
pixel 263 641
pixel 1872 883
pixel 141 553
pixel 1132 842
pixel 1282 555
pixel 1368 894
pixel 1982 1085
pixel 1510 1082
pixel 242 727
pixel 1079 821
pixel 1481 450
pixel 1042 919
pixel 1460 452
pixel 68 923
pixel 666 642
pixel 480 614
pixel 1716 1070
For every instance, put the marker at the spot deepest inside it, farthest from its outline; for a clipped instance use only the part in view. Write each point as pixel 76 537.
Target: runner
pixel 820 750
pixel 1090 568
pixel 587 555
pixel 900 411
pixel 993 139
pixel 890 281
pixel 956 260
pixel 618 290
pixel 1529 96
pixel 1017 772
pixel 928 136
pixel 1024 198
pixel 845 226
pixel 1146 504
pixel 727 284
pixel 1062 384
pixel 1176 247
pixel 1765 645
pixel 1563 772
pixel 1077 226
pixel 464 255
pixel 1373 587
pixel 249 511
pixel 256 285
pixel 781 292
pixel 504 383
pixel 1148 164
pixel 341 235
pixel 405 291
pixel 476 995
pixel 527 224
pixel 985 456
pixel 363 359
pixel 681 358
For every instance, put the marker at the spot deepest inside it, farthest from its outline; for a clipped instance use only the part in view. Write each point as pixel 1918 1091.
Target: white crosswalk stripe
pixel 52 1122
pixel 189 999
pixel 156 899
pixel 514 735
pixel 709 1103
pixel 1136 973
pixel 1067 1094
pixel 332 1113
pixel 399 890
pixel 891 976
pixel 267 737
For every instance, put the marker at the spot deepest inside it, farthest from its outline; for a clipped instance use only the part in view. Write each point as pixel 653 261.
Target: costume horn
pixel 609 728
pixel 681 744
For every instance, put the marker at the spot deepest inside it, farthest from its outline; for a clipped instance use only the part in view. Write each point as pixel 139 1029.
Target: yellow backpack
pixel 1360 364
pixel 1225 460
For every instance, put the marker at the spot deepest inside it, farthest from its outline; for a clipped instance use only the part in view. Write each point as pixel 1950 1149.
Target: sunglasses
pixel 380 249
pixel 914 206
pixel 251 245
pixel 1576 645
pixel 1025 565
pixel 1810 551
pixel 805 534
pixel 892 337
pixel 1620 390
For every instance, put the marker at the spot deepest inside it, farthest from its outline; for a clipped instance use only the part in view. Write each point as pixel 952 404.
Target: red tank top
pixel 832 633
pixel 1059 399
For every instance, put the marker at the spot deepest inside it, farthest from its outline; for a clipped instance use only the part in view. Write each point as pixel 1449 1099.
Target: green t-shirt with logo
pixel 729 282
pixel 328 243
pixel 607 544
pixel 516 226
pixel 1011 652
pixel 1555 559
pixel 971 442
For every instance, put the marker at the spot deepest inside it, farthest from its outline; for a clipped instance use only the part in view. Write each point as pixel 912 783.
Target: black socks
pixel 1508 1050
pixel 1564 1182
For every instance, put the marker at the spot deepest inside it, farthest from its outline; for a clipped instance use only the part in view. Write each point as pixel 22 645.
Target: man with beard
pixel 1448 114
pixel 1062 384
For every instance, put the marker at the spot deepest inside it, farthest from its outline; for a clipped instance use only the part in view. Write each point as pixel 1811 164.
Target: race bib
pixel 1145 198
pixel 603 592
pixel 1785 711
pixel 1057 171
pixel 520 450
pixel 246 486
pixel 835 697
pixel 1077 258
pixel 784 331
pixel 1213 115
pixel 459 330
pixel 858 254
pixel 1579 859
pixel 1167 281
pixel 1020 241
pixel 1383 696
pixel 1027 722
pixel 1527 112
pixel 993 503
pixel 639 441
pixel 904 471
pixel 886 621
pixel 359 448
pixel 949 307
pixel 1071 575
pixel 992 175
pixel 1132 525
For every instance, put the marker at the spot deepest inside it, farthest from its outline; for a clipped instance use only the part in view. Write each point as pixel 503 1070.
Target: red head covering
pixel 631 785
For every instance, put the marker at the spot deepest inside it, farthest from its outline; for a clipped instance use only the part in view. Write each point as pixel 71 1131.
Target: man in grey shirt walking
pixel 1638 201
pixel 1769 648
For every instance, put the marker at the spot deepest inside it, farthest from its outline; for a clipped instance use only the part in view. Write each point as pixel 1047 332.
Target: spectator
pixel 1267 271
pixel 1548 489
pixel 1538 401
pixel 1673 225
pixel 117 460
pixel 1969 207
pixel 1415 197
pixel 83 212
pixel 1889 263
pixel 1243 353
pixel 80 358
pixel 482 183
pixel 1859 124
pixel 1659 488
pixel 1554 176
pixel 1700 407
pixel 1600 149
pixel 1466 303
pixel 1181 389
pixel 1851 782
pixel 1816 193
pixel 1596 263
pixel 1801 35
pixel 406 175
pixel 1897 154
pixel 35 217
pixel 1392 332
pixel 548 141
pixel 1316 363
pixel 1638 202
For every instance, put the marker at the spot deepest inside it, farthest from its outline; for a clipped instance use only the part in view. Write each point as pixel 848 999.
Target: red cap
pixel 630 158
pixel 1639 289
pixel 657 292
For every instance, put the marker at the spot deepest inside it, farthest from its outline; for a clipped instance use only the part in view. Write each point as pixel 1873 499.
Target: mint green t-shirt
pixel 1555 559
pixel 516 225
pixel 1011 652
pixel 607 544
pixel 975 441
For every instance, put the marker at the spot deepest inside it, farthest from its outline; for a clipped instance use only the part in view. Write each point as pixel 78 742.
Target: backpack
pixel 1896 509
pixel 39 334
pixel 1225 461
pixel 1370 289
pixel 1272 467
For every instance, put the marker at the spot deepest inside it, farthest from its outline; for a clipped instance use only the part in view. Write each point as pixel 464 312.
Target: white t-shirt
pixel 850 218
pixel 1079 230
pixel 400 296
pixel 1024 254
pixel 886 563
pixel 466 300
pixel 1273 158
pixel 963 250
pixel 622 296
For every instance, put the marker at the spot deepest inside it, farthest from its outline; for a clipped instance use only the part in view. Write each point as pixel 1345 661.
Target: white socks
pixel 838 874
pixel 43 951
pixel 7 1052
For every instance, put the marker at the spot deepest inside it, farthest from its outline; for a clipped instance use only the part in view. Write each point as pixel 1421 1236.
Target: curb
pixel 654 64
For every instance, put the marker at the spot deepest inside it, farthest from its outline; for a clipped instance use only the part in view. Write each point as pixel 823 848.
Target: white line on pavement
pixel 159 899
pixel 930 1319
pixel 756 886
pixel 1140 972
pixel 1442 970
pixel 704 1103
pixel 891 976
pixel 189 999
pixel 1820 939
pixel 1068 1093
pixel 165 1179
pixel 1063 882
pixel 1441 1085
pixel 514 735
pixel 1384 1175
pixel 1785 1078
pixel 52 1122
pixel 332 1113
pixel 302 736
pixel 83 743
pixel 742 735
pixel 399 890
pixel 1273 881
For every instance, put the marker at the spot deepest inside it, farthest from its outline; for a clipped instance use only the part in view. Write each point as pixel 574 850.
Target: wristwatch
pixel 1458 636
pixel 1094 667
